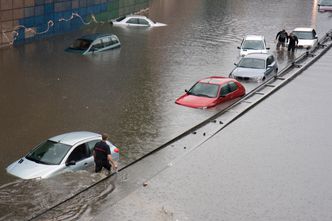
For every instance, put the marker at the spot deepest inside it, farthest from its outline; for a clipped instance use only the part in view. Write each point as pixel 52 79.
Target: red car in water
pixel 211 91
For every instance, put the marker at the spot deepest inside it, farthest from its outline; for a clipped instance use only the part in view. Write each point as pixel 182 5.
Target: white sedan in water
pixel 136 20
pixel 66 152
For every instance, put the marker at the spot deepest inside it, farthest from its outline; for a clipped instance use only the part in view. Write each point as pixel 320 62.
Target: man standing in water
pixel 281 37
pixel 102 155
pixel 292 42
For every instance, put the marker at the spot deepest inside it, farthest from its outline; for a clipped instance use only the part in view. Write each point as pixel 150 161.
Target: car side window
pixel 98 44
pixel 224 90
pixel 268 61
pixel 133 21
pixel 91 145
pixel 114 40
pixel 232 86
pixel 79 153
pixel 107 41
pixel 143 22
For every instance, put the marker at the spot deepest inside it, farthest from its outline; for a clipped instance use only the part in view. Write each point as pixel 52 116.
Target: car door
pixel 143 22
pixel 132 22
pixel 269 65
pixel 80 158
pixel 97 45
pixel 224 94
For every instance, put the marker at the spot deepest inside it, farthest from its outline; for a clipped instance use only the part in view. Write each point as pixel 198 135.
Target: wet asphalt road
pixel 278 167
pixel 128 92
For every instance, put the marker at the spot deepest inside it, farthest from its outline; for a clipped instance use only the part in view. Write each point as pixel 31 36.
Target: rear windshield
pixel 252 63
pixel 304 34
pixel 120 19
pixel 49 152
pixel 326 2
pixel 253 45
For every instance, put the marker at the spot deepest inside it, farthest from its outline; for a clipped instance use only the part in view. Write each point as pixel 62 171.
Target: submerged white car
pixel 66 152
pixel 307 37
pixel 253 44
pixel 136 20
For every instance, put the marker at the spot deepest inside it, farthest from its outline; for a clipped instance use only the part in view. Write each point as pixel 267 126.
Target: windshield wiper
pixel 203 95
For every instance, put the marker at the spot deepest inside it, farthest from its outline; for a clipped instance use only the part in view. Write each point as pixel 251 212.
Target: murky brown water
pixel 127 92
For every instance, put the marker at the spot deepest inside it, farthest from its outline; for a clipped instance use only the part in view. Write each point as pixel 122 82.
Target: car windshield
pixel 81 44
pixel 204 90
pixel 304 34
pixel 253 45
pixel 49 152
pixel 252 63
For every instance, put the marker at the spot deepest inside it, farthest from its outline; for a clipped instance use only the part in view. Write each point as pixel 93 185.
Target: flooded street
pixel 128 92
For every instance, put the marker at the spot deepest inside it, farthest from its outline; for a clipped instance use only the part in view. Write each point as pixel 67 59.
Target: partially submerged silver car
pixel 94 43
pixel 66 152
pixel 255 67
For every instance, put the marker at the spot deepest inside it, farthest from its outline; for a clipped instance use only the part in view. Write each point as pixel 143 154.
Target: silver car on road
pixel 256 67
pixel 66 152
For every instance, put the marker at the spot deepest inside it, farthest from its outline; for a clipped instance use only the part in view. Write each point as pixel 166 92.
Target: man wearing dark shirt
pixel 102 155
pixel 281 37
pixel 292 42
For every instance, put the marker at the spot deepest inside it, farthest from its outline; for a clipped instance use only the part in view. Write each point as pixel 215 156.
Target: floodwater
pixel 128 92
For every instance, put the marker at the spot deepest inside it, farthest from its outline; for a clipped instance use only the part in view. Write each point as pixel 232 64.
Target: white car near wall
pixel 136 20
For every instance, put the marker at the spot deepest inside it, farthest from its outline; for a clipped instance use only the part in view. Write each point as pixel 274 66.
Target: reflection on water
pixel 128 92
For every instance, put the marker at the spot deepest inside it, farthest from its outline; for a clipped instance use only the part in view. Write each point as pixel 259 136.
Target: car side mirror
pixel 71 163
pixel 267 48
pixel 238 47
pixel 235 64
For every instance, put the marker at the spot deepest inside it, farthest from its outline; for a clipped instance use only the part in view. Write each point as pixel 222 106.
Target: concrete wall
pixel 26 20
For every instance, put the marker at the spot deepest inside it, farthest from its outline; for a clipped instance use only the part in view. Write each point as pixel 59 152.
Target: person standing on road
pixel 102 155
pixel 292 42
pixel 281 37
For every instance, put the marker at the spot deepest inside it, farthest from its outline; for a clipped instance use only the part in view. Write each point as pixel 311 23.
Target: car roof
pixel 93 37
pixel 136 16
pixel 72 138
pixel 257 55
pixel 303 29
pixel 216 80
pixel 254 37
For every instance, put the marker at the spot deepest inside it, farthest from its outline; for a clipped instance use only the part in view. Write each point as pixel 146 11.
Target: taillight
pixel 116 150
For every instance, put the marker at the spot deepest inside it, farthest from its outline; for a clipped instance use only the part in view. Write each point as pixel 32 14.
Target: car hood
pixel 195 101
pixel 27 169
pixel 248 72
